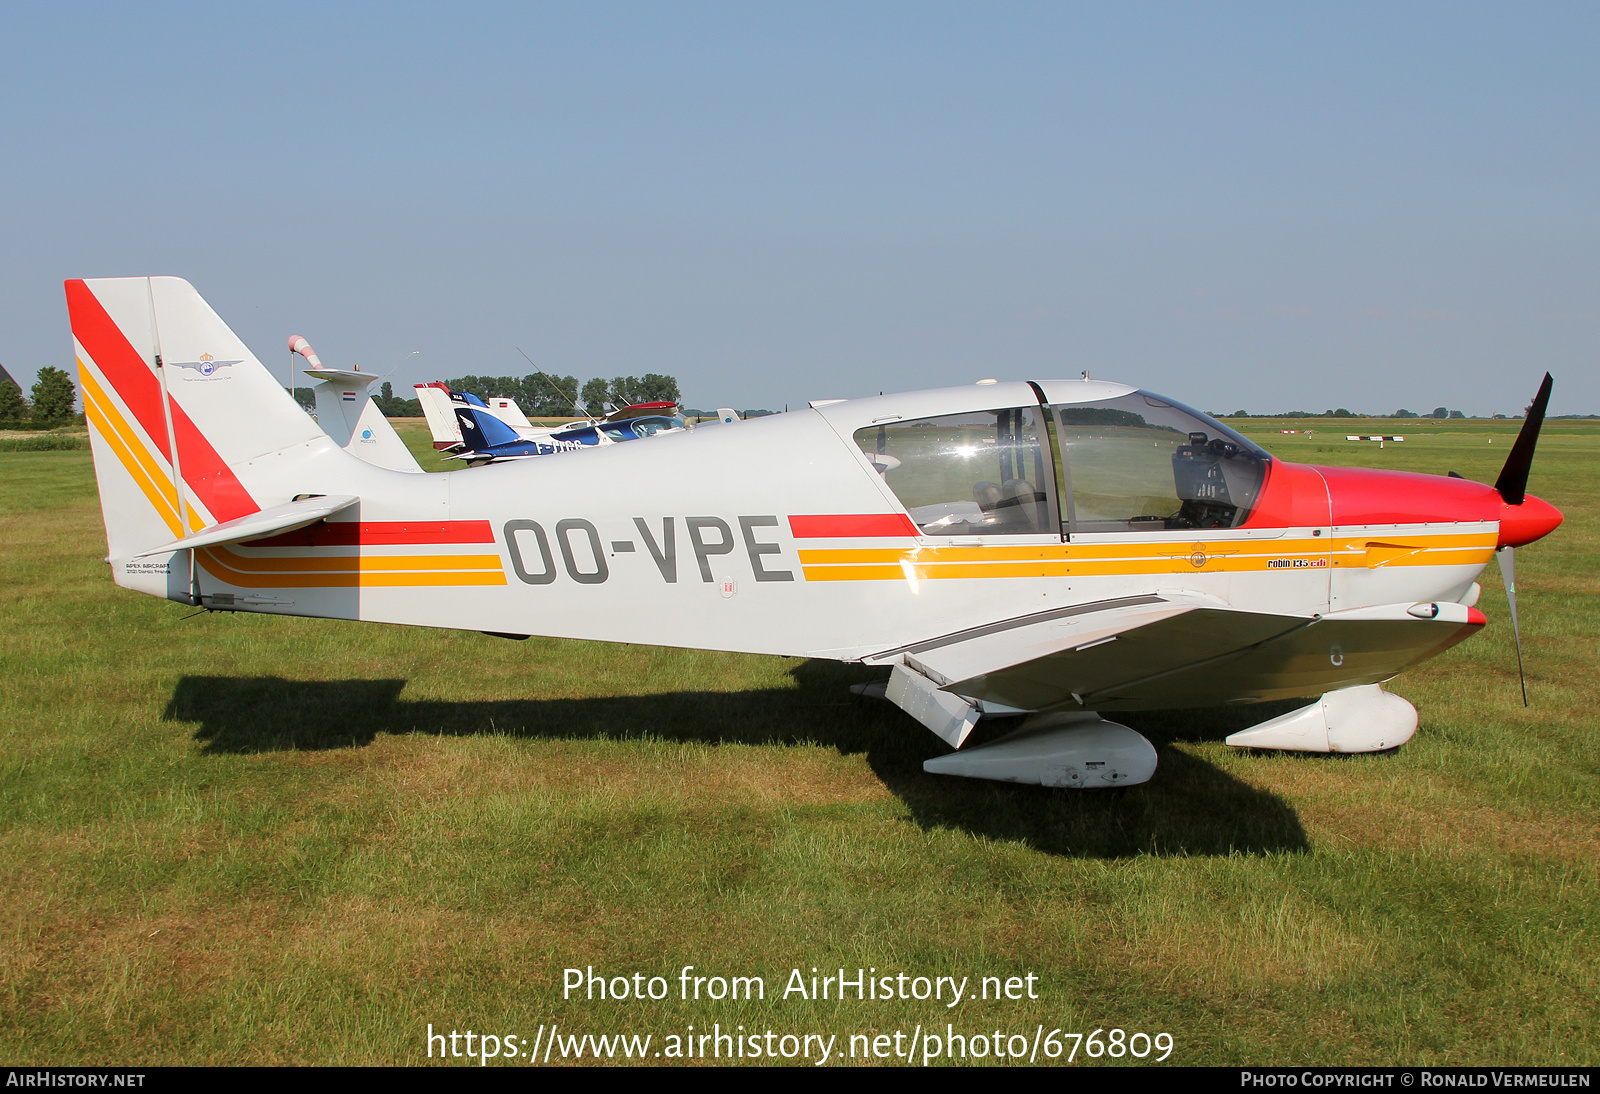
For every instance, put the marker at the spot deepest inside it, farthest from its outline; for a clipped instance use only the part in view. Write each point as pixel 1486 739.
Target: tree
pixel 596 394
pixel 13 407
pixel 53 396
pixel 652 387
pixel 623 391
pixel 1439 412
pixel 1404 414
pixel 656 388
pixel 1457 414
pixel 549 396
pixel 391 407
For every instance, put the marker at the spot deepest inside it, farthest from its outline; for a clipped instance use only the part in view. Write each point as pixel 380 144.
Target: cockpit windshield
pixel 1135 463
pixel 645 427
pixel 1142 462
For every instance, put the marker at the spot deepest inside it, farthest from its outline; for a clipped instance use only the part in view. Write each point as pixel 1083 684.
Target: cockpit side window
pixel 983 473
pixel 1144 463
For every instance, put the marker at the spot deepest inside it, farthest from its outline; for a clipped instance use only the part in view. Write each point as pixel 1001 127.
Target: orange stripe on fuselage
pixel 1086 560
pixel 355 563
pixel 216 562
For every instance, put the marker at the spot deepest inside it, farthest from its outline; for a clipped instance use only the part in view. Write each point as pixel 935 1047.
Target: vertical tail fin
pixel 440 412
pixel 480 429
pixel 509 412
pixel 177 409
pixel 346 413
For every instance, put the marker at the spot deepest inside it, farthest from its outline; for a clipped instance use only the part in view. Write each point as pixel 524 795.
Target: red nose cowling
pixel 1363 496
pixel 1534 519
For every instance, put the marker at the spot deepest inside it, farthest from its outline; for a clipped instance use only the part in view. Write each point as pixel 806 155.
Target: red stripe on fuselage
pixel 380 533
pixel 210 479
pixel 852 525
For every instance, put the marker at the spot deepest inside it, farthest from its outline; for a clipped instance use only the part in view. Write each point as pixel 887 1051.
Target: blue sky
pixel 1263 206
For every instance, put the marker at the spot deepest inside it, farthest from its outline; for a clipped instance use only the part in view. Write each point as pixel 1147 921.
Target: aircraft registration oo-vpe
pixel 1060 549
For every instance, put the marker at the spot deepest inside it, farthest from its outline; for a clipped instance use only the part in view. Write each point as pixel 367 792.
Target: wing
pixel 1152 652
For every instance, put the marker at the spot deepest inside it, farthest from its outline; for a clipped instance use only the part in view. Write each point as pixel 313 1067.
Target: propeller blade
pixel 1513 480
pixel 1506 556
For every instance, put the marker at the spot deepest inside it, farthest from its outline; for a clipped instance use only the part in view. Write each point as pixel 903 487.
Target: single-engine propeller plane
pixel 1063 549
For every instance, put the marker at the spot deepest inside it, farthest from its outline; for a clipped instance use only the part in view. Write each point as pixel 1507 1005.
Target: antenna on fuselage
pixel 554 386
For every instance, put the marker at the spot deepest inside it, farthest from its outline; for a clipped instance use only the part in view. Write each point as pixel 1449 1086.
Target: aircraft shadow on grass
pixel 1191 807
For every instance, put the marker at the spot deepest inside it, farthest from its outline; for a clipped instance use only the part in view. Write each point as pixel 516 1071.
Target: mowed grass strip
pixel 239 839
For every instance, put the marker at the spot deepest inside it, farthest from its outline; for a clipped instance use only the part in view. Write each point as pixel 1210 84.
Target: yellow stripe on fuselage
pixel 311 571
pixel 354 571
pixel 354 563
pixel 1116 559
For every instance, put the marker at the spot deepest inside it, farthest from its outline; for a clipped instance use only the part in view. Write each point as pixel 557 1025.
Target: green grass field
pixel 237 839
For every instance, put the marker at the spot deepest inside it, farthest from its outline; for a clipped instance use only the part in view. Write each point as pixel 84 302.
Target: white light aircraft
pixel 1064 549
pixel 439 409
pixel 345 410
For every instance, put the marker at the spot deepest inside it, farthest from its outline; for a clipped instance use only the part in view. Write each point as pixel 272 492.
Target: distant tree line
pixel 542 396
pixel 52 404
pixel 1438 412
pixel 538 396
pixel 388 404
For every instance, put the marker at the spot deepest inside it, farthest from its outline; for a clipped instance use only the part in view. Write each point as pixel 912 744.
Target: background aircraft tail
pixel 440 413
pixel 509 412
pixel 480 430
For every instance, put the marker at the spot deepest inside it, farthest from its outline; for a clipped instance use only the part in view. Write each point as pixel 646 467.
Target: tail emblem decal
pixel 207 367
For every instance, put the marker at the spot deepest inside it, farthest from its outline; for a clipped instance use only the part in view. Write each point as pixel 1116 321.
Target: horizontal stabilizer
pixel 259 525
pixel 343 376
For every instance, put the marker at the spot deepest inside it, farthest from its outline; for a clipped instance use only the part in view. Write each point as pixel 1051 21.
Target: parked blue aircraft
pixel 487 439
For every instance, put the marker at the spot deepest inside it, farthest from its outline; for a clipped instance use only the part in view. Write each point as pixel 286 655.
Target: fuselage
pixel 1049 546
pixel 787 535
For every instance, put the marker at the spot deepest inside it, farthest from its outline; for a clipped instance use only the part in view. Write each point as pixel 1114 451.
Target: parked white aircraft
pixel 1063 548
pixel 439 408
pixel 345 410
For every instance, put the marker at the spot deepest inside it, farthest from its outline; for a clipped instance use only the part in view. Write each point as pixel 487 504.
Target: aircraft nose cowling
pixel 1364 496
pixel 1534 519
